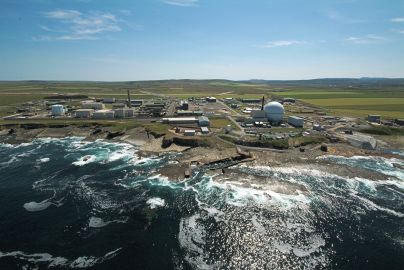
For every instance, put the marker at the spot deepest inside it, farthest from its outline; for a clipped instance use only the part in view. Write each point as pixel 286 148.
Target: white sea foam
pixel 85 160
pixel 37 206
pixel 40 258
pixel 96 222
pixel 373 206
pixel 241 195
pixel 156 203
pixel 44 160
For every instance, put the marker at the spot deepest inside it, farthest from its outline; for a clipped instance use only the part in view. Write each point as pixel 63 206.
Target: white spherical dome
pixel 274 111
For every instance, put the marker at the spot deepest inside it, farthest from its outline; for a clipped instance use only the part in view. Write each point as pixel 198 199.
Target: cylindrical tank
pixel 274 111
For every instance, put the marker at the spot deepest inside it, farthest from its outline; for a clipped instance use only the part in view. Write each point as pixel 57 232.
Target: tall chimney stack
pixel 263 101
pixel 129 101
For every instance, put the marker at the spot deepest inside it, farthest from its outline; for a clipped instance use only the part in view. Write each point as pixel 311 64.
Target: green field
pixel 350 97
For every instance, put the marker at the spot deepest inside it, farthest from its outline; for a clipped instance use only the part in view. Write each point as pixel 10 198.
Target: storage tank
pixel 274 111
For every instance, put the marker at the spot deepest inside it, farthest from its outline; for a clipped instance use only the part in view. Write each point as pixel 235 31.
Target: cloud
pixel 368 39
pixel 282 43
pixel 339 17
pixel 397 20
pixel 182 3
pixel 79 26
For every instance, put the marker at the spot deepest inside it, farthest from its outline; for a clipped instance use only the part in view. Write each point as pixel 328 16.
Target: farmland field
pixel 351 97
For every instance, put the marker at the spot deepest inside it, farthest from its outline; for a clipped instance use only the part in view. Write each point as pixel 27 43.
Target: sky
pixel 128 40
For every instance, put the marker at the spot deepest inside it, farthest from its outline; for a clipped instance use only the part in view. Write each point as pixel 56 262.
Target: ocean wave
pixel 40 259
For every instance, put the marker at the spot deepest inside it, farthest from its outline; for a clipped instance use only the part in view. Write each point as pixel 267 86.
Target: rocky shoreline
pixel 220 160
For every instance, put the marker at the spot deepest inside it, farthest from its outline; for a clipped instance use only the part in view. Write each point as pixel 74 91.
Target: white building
pixel 84 113
pixel 109 100
pixel 93 105
pixel 124 112
pixel 58 110
pixel 104 114
pixel 180 120
pixel 204 130
pixel 296 121
pixel 189 132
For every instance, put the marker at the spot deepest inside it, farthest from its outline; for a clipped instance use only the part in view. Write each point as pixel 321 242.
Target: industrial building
pixel 180 120
pixel 203 121
pixel 189 113
pixel 124 112
pixel 84 113
pixel 137 103
pixel 211 99
pixel 289 100
pixel 104 114
pixel 184 105
pixel 296 121
pixel 109 100
pixel 189 132
pixel 204 130
pixel 58 110
pixel 259 115
pixel 399 122
pixel 251 100
pixel 93 105
pixel 374 118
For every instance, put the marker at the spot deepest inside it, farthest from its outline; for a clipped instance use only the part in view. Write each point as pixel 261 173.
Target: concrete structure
pixel 104 114
pixel 251 100
pixel 374 118
pixel 211 99
pixel 317 127
pixel 180 120
pixel 84 113
pixel 58 110
pixel 399 122
pixel 189 132
pixel 289 100
pixel 258 114
pixel 124 112
pixel 296 121
pixel 109 100
pixel 274 111
pixel 184 105
pixel 137 103
pixel 93 105
pixel 189 113
pixel 204 130
pixel 361 141
pixel 203 121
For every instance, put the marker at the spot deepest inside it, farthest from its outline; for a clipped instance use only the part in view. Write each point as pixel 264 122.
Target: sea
pixel 73 204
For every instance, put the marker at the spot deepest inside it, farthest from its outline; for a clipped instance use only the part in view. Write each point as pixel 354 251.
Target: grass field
pixel 349 97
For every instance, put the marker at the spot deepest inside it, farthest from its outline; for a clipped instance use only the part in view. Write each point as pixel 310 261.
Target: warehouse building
pixel 124 112
pixel 109 100
pixel 189 132
pixel 93 105
pixel 374 118
pixel 204 130
pixel 295 121
pixel 189 113
pixel 251 100
pixel 203 121
pixel 58 110
pixel 84 113
pixel 211 99
pixel 104 114
pixel 180 120
pixel 259 115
